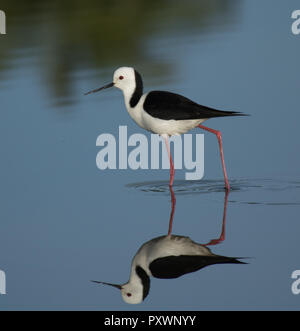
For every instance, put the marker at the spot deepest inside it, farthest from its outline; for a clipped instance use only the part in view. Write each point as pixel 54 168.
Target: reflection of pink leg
pixel 172 170
pixel 222 236
pixel 173 199
pixel 218 134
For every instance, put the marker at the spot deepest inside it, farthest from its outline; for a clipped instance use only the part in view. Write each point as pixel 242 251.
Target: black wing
pixel 171 106
pixel 176 266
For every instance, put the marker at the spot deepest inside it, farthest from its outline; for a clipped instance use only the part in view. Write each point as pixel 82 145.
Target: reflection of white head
pixel 132 293
pixel 136 290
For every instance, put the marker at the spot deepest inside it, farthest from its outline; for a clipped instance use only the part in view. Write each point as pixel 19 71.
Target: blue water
pixel 64 222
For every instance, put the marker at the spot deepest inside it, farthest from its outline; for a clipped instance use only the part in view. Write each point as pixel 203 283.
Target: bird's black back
pixel 176 266
pixel 171 106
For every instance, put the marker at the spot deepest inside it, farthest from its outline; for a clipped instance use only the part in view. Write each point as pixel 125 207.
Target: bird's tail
pixel 218 259
pixel 208 112
pixel 222 113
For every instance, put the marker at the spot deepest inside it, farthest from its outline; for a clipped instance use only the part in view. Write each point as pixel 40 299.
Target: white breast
pixel 156 125
pixel 168 246
pixel 136 113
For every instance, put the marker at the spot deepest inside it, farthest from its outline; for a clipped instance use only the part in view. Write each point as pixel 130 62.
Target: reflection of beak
pixel 101 88
pixel 114 285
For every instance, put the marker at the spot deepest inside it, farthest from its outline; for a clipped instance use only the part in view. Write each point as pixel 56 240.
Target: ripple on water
pixel 273 192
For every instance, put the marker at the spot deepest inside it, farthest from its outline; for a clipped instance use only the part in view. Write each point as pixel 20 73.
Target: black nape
pixel 145 280
pixel 138 90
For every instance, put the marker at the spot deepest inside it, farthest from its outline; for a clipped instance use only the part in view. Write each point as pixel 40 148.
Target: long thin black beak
pixel 114 285
pixel 101 88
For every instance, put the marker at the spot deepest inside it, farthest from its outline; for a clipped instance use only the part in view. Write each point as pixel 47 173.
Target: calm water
pixel 64 222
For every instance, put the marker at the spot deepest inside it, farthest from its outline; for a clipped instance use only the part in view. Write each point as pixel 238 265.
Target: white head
pixel 126 79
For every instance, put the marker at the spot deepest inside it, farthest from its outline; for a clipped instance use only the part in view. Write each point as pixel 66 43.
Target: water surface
pixel 65 222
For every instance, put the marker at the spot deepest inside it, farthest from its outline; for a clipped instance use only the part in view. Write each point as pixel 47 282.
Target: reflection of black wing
pixel 176 266
pixel 172 106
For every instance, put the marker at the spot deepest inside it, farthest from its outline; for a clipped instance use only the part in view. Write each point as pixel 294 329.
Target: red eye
pixel 121 77
pixel 128 294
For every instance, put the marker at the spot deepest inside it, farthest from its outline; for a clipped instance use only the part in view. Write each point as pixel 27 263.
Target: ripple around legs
pixel 243 191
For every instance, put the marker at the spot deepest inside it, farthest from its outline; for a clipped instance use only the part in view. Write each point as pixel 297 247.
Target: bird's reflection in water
pixel 169 256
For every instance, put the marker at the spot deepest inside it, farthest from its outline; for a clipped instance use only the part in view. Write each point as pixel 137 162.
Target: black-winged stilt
pixel 164 113
pixel 167 257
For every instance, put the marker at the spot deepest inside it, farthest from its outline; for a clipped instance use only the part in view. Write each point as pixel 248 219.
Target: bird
pixel 169 256
pixel 166 257
pixel 165 113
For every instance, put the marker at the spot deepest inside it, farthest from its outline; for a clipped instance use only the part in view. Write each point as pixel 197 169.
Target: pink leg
pixel 218 134
pixel 222 236
pixel 173 199
pixel 172 170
